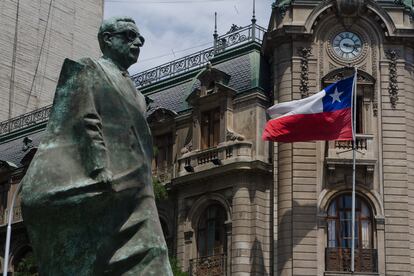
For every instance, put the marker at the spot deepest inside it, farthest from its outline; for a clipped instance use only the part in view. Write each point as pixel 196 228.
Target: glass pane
pixel 211 231
pixel 201 243
pixel 332 209
pixel 332 233
pixel 365 211
pixel 365 234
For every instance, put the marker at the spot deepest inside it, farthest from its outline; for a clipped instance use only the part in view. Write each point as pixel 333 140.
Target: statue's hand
pixel 103 176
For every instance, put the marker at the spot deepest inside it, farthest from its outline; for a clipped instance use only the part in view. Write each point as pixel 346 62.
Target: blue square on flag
pixel 338 95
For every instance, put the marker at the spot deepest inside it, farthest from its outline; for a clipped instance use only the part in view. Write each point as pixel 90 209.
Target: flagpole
pixel 354 103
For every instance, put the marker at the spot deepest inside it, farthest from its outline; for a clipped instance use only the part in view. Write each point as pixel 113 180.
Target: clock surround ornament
pixel 347 47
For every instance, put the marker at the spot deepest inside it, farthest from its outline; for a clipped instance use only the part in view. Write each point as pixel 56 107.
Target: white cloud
pixel 172 27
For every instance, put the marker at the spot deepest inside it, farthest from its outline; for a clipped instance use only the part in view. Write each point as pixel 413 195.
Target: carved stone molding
pixel 304 53
pixel 392 55
pixel 234 136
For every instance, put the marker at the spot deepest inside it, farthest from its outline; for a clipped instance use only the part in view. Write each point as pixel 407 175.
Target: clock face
pixel 347 45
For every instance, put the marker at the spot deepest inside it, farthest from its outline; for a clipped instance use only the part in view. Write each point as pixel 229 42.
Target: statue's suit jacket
pixel 77 225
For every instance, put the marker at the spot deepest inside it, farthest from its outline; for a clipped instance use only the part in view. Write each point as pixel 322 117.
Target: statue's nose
pixel 139 41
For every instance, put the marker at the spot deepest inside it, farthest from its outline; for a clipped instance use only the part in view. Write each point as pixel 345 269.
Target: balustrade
pixel 223 154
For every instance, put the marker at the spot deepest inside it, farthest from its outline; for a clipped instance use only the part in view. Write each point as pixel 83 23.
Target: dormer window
pixel 212 103
pixel 210 128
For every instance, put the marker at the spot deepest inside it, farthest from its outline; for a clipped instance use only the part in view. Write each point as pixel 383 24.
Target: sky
pixel 176 28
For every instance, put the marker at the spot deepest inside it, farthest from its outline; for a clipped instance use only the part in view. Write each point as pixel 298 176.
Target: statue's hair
pixel 111 25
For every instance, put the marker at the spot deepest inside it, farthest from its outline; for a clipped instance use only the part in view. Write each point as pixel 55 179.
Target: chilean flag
pixel 325 115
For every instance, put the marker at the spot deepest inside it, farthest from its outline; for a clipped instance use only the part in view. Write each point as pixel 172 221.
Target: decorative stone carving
pixel 282 6
pixel 234 136
pixel 234 28
pixel 392 55
pixel 349 7
pixel 304 53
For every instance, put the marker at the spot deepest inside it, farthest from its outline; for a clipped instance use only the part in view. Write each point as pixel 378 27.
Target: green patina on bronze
pixel 87 197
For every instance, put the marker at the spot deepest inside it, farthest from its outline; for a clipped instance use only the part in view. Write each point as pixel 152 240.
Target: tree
pixel 27 266
pixel 176 268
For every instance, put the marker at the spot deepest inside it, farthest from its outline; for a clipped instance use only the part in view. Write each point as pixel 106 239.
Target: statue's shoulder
pixel 72 69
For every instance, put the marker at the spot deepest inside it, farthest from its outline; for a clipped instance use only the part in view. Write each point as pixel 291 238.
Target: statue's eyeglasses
pixel 130 35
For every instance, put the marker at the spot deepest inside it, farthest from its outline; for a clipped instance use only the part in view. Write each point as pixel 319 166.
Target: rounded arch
pixel 340 73
pixel 372 198
pixel 374 10
pixel 202 203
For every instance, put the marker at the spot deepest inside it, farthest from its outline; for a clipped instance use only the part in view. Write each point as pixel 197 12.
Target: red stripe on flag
pixel 335 125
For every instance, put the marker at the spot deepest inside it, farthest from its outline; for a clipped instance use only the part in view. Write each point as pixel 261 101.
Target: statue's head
pixel 120 40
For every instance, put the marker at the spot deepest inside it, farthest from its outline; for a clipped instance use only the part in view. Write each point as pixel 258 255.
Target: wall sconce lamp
pixel 189 168
pixel 216 161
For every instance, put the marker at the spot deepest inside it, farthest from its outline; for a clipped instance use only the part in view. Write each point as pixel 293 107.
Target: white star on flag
pixel 335 96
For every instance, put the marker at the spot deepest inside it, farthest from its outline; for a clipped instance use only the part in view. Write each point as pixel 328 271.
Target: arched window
pixel 340 235
pixel 211 234
pixel 340 220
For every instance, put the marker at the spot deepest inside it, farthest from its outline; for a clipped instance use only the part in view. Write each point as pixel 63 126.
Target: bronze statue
pixel 87 197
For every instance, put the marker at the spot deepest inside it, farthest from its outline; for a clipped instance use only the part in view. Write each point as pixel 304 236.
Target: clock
pixel 347 45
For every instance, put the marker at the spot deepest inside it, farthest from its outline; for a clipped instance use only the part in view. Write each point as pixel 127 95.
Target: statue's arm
pixel 80 118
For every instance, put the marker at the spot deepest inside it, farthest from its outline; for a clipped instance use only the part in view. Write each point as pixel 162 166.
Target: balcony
pixel 223 154
pixel 17 215
pixel 339 260
pixel 340 152
pixel 209 266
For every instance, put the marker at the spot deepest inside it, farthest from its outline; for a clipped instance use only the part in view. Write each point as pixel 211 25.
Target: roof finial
pixel 215 23
pixel 215 35
pixel 254 12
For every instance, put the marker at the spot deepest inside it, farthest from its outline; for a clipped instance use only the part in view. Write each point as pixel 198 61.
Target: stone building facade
pixel 311 44
pixel 35 37
pixel 240 206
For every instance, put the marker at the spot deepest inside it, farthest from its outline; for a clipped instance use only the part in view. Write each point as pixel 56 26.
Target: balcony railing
pixel 223 154
pixel 341 151
pixel 236 37
pixel 208 266
pixel 25 120
pixel 17 215
pixel 339 259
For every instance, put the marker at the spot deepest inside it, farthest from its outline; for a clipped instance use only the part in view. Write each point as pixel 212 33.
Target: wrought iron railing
pixel 341 150
pixel 208 266
pixel 25 120
pixel 339 259
pixel 236 37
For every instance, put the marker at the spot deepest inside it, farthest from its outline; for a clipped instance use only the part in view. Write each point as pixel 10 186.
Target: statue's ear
pixel 107 38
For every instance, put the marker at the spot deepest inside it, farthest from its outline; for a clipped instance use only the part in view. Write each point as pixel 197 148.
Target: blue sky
pixel 173 29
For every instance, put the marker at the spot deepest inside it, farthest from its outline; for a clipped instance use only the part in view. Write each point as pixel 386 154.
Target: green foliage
pixel 160 192
pixel 176 268
pixel 27 266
